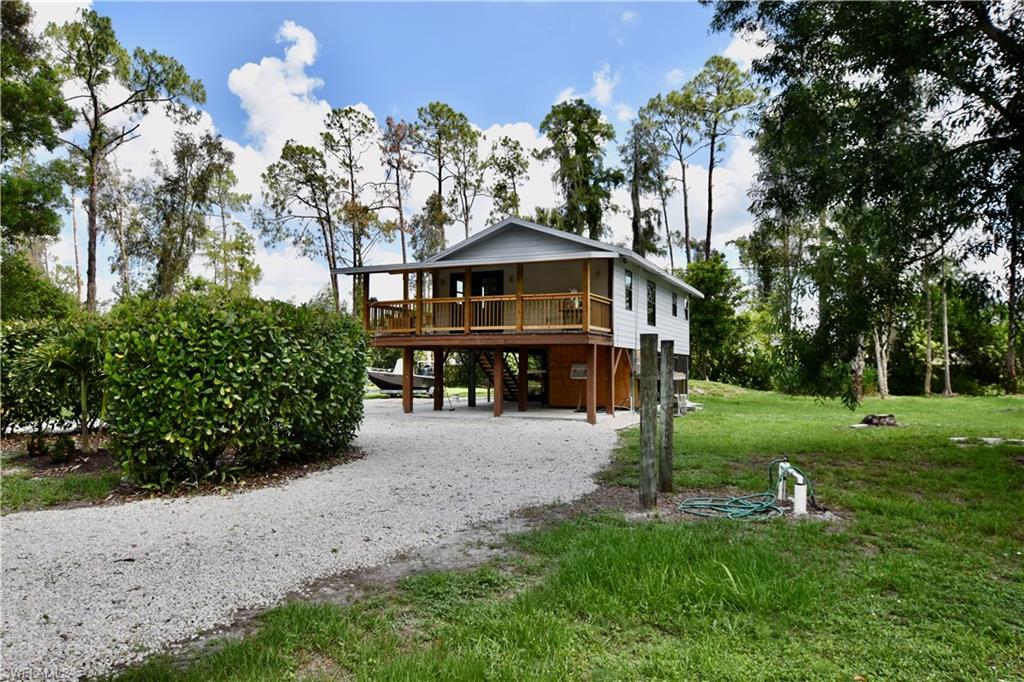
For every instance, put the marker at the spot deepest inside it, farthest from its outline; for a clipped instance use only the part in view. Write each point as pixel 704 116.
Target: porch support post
pixel 519 297
pixel 407 361
pixel 467 305
pixel 499 383
pixel 471 379
pixel 523 380
pixel 586 296
pixel 419 302
pixel 611 381
pixel 366 301
pixel 591 387
pixel 405 285
pixel 438 379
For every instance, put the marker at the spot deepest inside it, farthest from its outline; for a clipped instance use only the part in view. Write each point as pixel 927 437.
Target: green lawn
pixel 923 580
pixel 19 492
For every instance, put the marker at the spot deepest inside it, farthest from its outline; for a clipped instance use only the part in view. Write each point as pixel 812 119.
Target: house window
pixel 651 302
pixel 629 290
pixel 675 305
pixel 686 308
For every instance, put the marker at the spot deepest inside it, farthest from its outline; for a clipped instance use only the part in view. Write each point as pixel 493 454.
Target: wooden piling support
pixel 648 419
pixel 524 384
pixel 666 452
pixel 499 382
pixel 407 368
pixel 591 385
pixel 438 379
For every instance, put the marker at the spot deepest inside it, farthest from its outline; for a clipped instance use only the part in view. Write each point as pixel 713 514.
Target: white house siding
pixel 628 325
pixel 541 278
pixel 517 241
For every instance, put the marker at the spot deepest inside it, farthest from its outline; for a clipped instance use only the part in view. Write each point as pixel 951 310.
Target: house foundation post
pixel 471 379
pixel 524 384
pixel 611 381
pixel 407 367
pixel 499 383
pixel 591 387
pixel 438 379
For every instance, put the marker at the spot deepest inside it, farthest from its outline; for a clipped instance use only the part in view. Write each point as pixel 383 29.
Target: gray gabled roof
pixel 591 245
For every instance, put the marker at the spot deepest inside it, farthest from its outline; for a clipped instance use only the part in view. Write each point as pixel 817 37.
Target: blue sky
pixel 272 71
pixel 495 62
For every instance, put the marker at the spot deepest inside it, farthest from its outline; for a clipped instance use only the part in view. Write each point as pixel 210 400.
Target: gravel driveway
pixel 88 589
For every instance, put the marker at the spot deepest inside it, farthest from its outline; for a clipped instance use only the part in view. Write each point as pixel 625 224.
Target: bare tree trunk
pixel 857 369
pixel 74 239
pixel 686 212
pixel 639 247
pixel 668 232
pixel 713 139
pixel 927 330
pixel 1012 303
pixel 883 344
pixel 947 387
pixel 90 295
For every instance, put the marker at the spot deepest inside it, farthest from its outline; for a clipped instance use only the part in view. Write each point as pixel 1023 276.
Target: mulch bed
pixel 14 447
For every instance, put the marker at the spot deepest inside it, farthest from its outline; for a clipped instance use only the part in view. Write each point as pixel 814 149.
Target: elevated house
pixel 544 315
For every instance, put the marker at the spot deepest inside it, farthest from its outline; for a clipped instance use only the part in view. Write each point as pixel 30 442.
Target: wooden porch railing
pixel 513 312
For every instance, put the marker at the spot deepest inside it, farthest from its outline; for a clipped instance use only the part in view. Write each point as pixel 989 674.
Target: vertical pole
pixel 524 384
pixel 519 297
pixel 467 307
pixel 438 379
pixel 419 302
pixel 666 454
pixel 586 296
pixel 648 419
pixel 471 379
pixel 499 381
pixel 405 285
pixel 611 381
pixel 591 387
pixel 407 362
pixel 366 301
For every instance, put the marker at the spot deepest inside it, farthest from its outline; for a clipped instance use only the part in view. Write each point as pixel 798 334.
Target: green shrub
pixel 30 399
pixel 63 449
pixel 204 387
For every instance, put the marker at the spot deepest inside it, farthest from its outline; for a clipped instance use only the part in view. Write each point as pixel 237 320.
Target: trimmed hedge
pixel 28 398
pixel 202 387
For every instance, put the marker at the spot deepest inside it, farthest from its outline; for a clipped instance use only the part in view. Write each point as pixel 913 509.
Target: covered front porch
pixel 513 297
pixel 575 370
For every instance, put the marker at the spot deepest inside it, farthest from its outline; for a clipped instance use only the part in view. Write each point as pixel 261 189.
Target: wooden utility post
pixel 666 453
pixel 648 419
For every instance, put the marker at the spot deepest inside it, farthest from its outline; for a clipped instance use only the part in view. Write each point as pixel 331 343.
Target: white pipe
pixel 800 499
pixel 799 488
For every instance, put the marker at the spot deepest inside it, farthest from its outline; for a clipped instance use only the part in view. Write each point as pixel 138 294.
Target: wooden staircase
pixel 485 359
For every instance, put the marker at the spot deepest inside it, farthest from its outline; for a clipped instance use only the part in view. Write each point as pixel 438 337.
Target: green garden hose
pixel 758 506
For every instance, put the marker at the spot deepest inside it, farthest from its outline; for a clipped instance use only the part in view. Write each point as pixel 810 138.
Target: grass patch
pixel 18 492
pixel 924 581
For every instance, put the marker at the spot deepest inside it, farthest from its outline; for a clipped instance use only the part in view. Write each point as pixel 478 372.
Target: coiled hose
pixel 758 506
